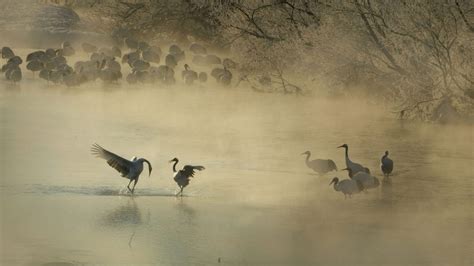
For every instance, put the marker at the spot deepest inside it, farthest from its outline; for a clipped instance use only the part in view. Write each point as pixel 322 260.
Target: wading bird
pixel 355 167
pixel 387 165
pixel 129 169
pixel 320 166
pixel 366 179
pixel 347 186
pixel 182 176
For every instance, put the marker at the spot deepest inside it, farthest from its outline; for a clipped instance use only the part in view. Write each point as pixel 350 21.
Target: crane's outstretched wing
pixel 118 163
pixel 188 170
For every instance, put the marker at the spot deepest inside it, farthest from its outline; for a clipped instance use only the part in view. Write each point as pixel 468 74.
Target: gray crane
pixel 183 176
pixel 387 164
pixel 128 169
pixel 321 166
pixel 347 186
pixel 355 167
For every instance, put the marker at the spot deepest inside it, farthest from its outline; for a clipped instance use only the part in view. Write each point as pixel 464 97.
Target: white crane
pixel 354 166
pixel 321 166
pixel 366 179
pixel 182 176
pixel 129 169
pixel 347 186
pixel 387 164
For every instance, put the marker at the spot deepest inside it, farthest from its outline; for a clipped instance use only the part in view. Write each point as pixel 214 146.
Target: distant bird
pixel 142 45
pixel 229 63
pixel 67 49
pixel 189 75
pixel 387 165
pixel 165 74
pixel 151 55
pixel 347 186
pixel 202 76
pixel 320 166
pixel 14 74
pixel 131 43
pixel 171 61
pixel 366 179
pixel 128 169
pixel 176 51
pixel 7 52
pixel 37 55
pixel 354 166
pixel 211 59
pixel 35 65
pixel 197 48
pixel 182 176
pixel 222 75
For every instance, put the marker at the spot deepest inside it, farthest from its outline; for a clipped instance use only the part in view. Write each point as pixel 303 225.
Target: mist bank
pixel 413 57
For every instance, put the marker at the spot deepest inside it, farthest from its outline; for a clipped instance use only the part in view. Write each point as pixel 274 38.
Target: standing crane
pixel 347 186
pixel 182 176
pixel 321 166
pixel 387 165
pixel 355 167
pixel 128 169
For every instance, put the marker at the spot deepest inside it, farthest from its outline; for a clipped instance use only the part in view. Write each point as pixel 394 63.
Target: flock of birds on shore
pixel 360 178
pixel 103 63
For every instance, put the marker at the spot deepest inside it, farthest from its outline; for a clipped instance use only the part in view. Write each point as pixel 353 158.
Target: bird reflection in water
pixel 387 190
pixel 128 215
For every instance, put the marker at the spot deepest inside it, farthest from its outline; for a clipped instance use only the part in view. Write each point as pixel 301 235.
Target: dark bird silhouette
pixel 128 169
pixel 189 75
pixel 387 165
pixel 355 167
pixel 7 52
pixel 182 176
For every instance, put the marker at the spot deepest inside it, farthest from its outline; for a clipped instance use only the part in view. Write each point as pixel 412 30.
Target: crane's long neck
pixel 174 165
pixel 149 166
pixel 147 162
pixel 348 161
pixel 307 157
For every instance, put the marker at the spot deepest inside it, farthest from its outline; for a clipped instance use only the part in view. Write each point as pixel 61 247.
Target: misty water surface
pixel 256 203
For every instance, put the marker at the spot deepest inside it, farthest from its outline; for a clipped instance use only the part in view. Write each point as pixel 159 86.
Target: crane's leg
pixel 128 186
pixel 181 193
pixel 134 184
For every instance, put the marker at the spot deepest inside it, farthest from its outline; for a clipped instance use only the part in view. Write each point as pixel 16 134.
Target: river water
pixel 256 203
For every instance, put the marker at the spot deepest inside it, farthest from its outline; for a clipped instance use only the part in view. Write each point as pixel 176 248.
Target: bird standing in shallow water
pixel 387 165
pixel 354 166
pixel 182 176
pixel 129 169
pixel 347 186
pixel 320 166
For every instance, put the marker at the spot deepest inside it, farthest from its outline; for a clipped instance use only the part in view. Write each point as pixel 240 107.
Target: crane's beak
pixel 347 169
pixel 341 146
pixel 332 182
pixel 170 161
